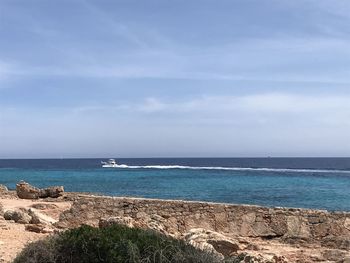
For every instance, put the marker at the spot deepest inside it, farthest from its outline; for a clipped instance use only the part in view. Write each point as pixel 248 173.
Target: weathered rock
pixel 1 210
pixel 212 241
pixel 245 257
pixel 347 224
pixel 3 188
pixel 336 242
pixel 224 247
pixel 117 220
pixel 253 247
pixel 54 192
pixel 18 216
pixel 38 228
pixel 278 224
pixel 154 222
pixel 333 255
pixel 35 219
pixel 42 206
pixel 297 228
pixel 27 191
pixel 345 260
pixel 39 218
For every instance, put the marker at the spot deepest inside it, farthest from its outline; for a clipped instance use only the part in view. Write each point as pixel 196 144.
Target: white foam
pixel 289 170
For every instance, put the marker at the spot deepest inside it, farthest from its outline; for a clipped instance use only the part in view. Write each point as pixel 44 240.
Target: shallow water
pixel 289 182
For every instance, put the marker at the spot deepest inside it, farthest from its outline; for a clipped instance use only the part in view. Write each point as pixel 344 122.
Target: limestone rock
pixel 54 192
pixel 155 222
pixel 248 258
pixel 42 206
pixel 39 218
pixel 3 188
pixel 304 233
pixel 297 228
pixel 347 223
pixel 18 216
pixel 345 260
pixel 1 210
pixel 212 241
pixel 224 247
pixel 117 220
pixel 336 242
pixel 38 228
pixel 27 191
pixel 333 254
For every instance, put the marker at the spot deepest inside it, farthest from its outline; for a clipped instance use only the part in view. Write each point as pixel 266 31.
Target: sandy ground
pixel 13 236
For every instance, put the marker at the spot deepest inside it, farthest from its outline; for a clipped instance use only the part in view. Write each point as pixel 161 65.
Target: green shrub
pixel 113 245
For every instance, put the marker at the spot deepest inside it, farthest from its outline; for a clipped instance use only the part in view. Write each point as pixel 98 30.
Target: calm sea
pixel 322 183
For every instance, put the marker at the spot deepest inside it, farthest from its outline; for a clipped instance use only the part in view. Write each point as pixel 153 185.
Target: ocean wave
pixel 166 167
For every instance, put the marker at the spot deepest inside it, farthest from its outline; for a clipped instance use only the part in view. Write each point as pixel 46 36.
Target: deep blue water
pixel 321 183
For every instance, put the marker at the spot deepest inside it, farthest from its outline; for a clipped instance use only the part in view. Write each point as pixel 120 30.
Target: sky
pixel 179 78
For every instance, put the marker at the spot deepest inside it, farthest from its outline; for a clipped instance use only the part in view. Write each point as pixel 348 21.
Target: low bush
pixel 113 244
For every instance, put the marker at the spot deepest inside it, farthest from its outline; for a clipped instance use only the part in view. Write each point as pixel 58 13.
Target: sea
pixel 316 183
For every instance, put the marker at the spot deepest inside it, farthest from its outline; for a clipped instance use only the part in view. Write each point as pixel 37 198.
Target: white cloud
pixel 266 102
pixel 254 124
pixel 270 105
pixel 269 110
pixel 279 59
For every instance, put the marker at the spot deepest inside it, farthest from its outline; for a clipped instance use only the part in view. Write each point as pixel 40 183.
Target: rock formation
pixel 212 241
pixel 19 216
pixel 3 188
pixel 39 228
pixel 249 233
pixel 54 192
pixel 259 233
pixel 106 222
pixel 27 191
pixel 1 210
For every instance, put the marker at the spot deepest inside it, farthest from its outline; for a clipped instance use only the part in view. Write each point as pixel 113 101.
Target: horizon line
pixel 186 157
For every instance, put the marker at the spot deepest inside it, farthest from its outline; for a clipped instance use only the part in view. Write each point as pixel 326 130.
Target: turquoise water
pixel 268 184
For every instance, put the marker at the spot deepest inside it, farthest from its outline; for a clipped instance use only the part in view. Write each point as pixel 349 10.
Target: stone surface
pixel 1 210
pixel 261 234
pixel 345 260
pixel 306 233
pixel 54 192
pixel 117 220
pixel 179 217
pixel 212 241
pixel 27 191
pixel 39 228
pixel 39 218
pixel 18 216
pixel 3 188
pixel 44 206
pixel 333 255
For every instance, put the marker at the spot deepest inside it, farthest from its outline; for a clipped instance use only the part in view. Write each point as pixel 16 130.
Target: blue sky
pixel 85 78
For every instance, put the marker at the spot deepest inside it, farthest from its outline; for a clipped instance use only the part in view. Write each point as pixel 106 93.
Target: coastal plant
pixel 114 244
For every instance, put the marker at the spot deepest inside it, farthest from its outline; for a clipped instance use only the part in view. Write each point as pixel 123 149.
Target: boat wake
pixel 165 167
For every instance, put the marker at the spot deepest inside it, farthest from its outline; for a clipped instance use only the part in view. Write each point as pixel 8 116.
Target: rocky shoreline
pixel 256 233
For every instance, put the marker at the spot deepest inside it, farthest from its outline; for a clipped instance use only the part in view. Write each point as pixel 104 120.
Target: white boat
pixel 109 164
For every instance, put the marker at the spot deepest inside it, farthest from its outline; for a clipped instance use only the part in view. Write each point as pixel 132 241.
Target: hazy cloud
pixel 174 78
